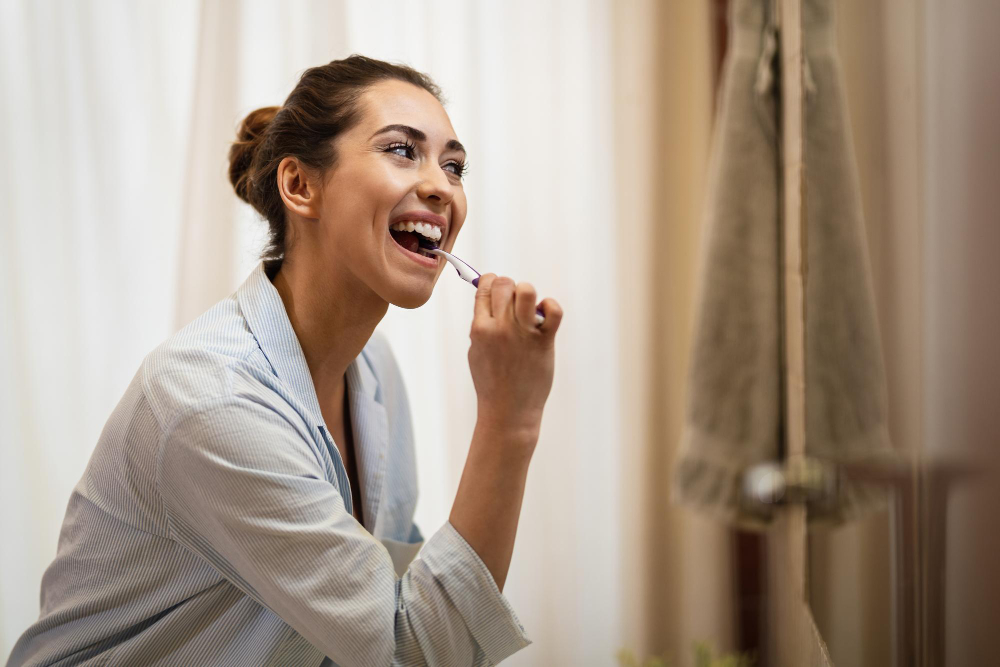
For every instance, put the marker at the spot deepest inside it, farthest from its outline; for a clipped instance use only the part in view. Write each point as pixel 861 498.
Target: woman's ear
pixel 298 190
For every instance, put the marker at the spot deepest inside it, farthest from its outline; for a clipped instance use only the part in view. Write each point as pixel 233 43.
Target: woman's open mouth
pixel 413 243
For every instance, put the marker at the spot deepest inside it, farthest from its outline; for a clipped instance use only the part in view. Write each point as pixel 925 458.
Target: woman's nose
pixel 434 184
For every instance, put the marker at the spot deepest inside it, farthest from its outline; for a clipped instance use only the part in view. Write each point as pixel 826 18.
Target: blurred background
pixel 589 128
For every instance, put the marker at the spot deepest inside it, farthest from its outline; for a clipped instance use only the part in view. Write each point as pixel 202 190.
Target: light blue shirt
pixel 213 524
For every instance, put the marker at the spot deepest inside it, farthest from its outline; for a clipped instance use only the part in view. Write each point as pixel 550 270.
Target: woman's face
pixel 401 162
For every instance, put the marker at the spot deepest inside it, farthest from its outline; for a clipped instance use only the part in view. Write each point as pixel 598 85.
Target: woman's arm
pixel 488 503
pixel 512 363
pixel 243 490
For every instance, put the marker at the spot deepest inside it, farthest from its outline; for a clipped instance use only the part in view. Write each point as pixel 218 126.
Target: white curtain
pixel 94 115
pixel 119 226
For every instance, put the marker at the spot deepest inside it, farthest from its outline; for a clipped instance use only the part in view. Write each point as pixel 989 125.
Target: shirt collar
pixel 265 314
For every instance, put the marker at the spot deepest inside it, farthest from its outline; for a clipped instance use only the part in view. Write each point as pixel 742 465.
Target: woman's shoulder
pixel 201 363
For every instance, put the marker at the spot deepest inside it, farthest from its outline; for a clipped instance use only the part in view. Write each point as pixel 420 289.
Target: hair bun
pixel 248 138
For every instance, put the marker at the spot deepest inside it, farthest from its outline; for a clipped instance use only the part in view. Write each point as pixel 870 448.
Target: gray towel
pixel 734 412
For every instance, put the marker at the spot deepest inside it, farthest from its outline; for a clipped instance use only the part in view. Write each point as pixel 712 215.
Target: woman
pixel 251 498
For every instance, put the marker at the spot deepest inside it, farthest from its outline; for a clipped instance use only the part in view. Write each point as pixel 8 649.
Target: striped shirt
pixel 213 524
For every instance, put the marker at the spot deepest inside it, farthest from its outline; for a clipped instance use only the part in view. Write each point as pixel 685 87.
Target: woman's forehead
pixel 396 102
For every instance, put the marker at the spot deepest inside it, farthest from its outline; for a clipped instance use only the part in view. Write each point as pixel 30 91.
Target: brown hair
pixel 323 104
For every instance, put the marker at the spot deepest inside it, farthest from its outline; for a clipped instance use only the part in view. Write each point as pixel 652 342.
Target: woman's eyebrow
pixel 417 135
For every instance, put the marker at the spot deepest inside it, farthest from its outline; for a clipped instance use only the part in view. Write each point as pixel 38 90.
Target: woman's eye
pixel 456 168
pixel 402 150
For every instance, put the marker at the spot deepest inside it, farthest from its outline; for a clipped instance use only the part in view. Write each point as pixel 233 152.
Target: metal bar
pixel 793 216
pixel 796 649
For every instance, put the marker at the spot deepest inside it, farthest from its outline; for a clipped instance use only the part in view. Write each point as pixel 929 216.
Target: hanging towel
pixel 734 411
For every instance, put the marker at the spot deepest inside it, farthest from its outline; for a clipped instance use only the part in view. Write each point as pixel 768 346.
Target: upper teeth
pixel 425 229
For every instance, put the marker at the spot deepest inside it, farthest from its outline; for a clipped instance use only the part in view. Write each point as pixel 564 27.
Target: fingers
pixel 484 306
pixel 553 315
pixel 524 305
pixel 502 290
pixel 498 297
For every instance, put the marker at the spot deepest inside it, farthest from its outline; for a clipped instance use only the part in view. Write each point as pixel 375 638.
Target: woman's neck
pixel 333 316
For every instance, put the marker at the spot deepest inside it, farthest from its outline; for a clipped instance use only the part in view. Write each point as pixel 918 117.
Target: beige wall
pixel 962 315
pixel 679 589
pixel 923 85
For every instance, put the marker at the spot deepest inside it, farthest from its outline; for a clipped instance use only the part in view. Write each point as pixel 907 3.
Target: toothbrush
pixel 469 274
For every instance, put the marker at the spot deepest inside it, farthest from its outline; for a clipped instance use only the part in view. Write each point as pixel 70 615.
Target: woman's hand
pixel 512 360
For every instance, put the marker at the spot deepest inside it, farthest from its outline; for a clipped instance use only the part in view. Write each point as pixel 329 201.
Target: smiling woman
pixel 376 170
pixel 240 506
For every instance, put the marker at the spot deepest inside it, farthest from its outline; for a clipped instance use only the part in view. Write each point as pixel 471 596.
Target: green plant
pixel 626 658
pixel 704 656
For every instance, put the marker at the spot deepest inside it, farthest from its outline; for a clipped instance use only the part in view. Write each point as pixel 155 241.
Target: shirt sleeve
pixel 243 489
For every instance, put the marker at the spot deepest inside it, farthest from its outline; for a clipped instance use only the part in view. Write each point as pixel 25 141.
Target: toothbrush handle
pixel 539 313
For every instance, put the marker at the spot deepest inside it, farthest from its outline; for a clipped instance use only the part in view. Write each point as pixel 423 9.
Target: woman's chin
pixel 411 299
pixel 411 288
